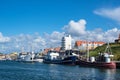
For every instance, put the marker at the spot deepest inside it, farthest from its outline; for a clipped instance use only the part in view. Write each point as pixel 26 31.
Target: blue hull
pixel 71 60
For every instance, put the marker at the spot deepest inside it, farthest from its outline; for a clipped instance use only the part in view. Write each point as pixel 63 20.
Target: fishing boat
pixel 54 57
pixel 102 61
pixel 38 59
pixel 29 57
pixel 26 57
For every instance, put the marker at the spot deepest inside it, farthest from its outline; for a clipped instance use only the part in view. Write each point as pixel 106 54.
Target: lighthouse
pixel 66 43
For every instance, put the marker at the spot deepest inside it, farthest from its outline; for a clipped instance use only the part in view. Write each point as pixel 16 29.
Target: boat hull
pixel 23 61
pixel 109 65
pixel 66 61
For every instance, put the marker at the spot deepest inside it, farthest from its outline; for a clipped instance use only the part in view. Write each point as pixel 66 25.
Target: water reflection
pixel 40 71
pixel 108 74
pixel 99 74
pixel 81 73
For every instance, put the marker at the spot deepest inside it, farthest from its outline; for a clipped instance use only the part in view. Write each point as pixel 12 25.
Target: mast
pixel 22 49
pixel 108 49
pixel 87 52
pixel 87 42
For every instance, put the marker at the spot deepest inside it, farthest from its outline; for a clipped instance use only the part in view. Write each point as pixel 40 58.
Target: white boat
pixel 26 57
pixel 29 57
pixel 38 58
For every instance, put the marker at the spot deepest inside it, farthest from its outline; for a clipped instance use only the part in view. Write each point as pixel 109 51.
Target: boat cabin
pixel 104 57
pixel 52 55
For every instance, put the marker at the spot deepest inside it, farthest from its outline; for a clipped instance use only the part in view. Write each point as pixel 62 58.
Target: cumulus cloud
pixel 75 28
pixel 112 13
pixel 37 42
pixel 106 36
pixel 53 39
pixel 4 39
pixel 29 42
pixel 79 32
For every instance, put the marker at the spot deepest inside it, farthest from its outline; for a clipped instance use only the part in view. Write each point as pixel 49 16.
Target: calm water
pixel 10 70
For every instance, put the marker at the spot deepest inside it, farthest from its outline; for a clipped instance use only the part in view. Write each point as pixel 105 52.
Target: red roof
pixel 55 49
pixel 79 43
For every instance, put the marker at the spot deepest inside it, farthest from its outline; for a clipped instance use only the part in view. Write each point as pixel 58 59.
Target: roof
pixel 55 49
pixel 79 43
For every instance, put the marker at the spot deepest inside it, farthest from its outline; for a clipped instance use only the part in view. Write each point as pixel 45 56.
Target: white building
pixel 66 42
pixel 83 45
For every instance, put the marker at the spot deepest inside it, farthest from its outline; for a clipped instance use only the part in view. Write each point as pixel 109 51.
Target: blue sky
pixel 29 16
pixel 46 18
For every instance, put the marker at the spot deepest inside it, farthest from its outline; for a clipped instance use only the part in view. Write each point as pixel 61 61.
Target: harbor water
pixel 11 70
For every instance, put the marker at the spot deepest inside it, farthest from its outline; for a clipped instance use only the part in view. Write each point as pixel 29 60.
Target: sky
pixel 39 24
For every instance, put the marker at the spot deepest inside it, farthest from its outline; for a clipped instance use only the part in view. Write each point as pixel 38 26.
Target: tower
pixel 66 42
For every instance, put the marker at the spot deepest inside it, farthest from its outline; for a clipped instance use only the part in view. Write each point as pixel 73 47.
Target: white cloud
pixel 4 39
pixel 31 42
pixel 112 13
pixel 75 28
pixel 53 39
pixel 106 36
pixel 79 32
pixel 37 42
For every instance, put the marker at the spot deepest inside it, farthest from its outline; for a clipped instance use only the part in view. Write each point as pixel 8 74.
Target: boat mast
pixel 87 52
pixel 32 53
pixel 108 49
pixel 22 49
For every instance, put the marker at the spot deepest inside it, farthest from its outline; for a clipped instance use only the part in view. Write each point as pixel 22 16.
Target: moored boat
pixel 103 61
pixel 54 57
pixel 25 57
pixel 28 57
pixel 109 65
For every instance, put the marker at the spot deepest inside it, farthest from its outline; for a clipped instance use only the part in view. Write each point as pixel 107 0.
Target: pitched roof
pixel 55 49
pixel 79 43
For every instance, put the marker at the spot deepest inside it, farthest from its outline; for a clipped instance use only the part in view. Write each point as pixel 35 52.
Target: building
pixel 2 56
pixel 54 49
pixel 118 40
pixel 84 45
pixel 66 43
